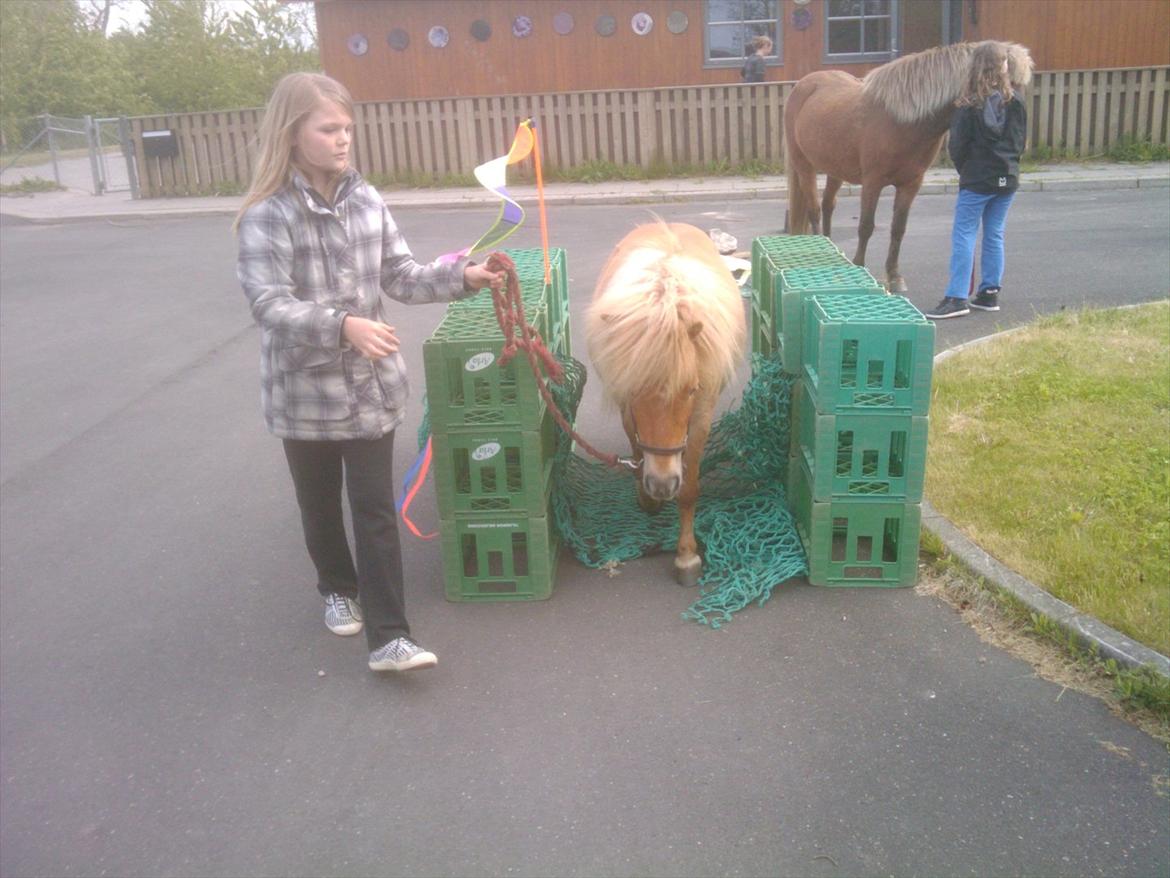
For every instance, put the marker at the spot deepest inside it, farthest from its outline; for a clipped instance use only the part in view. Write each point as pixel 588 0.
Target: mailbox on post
pixel 160 144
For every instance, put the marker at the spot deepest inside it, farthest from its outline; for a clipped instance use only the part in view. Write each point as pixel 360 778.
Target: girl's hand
pixel 369 338
pixel 476 277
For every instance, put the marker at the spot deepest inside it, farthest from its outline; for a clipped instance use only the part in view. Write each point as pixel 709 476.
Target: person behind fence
pixel 320 258
pixel 753 67
pixel 987 138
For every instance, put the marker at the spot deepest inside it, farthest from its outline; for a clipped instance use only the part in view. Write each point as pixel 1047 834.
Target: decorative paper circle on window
pixel 642 23
pixel 437 36
pixel 521 26
pixel 606 25
pixel 398 39
pixel 677 22
pixel 481 30
pixel 563 23
pixel 357 44
pixel 801 18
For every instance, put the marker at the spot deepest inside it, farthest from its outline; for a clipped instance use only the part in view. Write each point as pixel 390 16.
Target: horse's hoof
pixel 687 573
pixel 898 285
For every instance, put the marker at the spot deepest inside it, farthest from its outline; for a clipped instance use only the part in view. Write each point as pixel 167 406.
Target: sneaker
pixel 401 654
pixel 949 307
pixel 342 615
pixel 986 300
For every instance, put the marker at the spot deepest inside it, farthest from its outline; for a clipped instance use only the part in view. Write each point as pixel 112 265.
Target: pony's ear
pixel 605 318
pixel 694 329
pixel 687 315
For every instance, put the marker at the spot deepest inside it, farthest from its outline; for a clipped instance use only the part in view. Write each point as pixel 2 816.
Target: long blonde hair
pixel 294 98
pixel 989 74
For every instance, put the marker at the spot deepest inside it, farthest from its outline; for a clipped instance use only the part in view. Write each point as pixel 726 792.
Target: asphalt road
pixel 163 710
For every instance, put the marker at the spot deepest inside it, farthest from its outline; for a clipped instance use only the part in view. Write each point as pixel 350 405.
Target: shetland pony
pixel 665 331
pixel 883 130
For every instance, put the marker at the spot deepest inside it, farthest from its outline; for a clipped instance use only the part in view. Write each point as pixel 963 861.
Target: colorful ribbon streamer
pixel 492 176
pixel 413 480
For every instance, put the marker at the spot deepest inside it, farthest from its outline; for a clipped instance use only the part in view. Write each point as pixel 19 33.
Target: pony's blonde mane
pixel 654 286
pixel 916 87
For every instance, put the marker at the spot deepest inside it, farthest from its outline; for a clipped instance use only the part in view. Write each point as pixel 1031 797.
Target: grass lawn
pixel 1050 447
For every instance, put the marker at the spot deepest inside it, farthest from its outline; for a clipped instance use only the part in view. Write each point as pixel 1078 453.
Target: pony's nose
pixel 662 488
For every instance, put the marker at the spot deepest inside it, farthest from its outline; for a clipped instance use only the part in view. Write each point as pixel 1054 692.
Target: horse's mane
pixel 651 289
pixel 918 86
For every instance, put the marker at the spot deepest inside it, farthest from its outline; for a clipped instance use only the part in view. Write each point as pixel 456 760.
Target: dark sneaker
pixel 986 300
pixel 949 307
pixel 342 615
pixel 401 654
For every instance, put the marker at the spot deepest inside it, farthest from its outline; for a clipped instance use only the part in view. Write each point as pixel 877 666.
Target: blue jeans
pixel 971 209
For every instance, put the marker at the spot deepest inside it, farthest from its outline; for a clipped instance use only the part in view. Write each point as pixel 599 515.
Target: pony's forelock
pixel 638 326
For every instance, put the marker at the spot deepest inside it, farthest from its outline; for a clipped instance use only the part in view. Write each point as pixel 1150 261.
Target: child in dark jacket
pixel 754 67
pixel 988 133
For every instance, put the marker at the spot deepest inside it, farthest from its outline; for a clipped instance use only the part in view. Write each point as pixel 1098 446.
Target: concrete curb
pixel 1087 630
pixel 632 193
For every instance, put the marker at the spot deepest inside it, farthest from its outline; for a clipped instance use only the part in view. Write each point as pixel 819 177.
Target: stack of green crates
pixel 494 439
pixel 859 429
pixel 771 256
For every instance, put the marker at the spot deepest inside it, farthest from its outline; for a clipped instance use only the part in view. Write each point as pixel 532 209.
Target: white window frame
pixel 863 57
pixel 776 59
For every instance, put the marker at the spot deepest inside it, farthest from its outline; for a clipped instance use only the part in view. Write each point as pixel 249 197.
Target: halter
pixel 636 465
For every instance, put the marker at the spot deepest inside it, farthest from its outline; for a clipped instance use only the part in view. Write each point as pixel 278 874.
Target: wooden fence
pixel 1077 112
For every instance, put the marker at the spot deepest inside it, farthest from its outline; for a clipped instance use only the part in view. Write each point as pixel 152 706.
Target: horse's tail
pixel 798 206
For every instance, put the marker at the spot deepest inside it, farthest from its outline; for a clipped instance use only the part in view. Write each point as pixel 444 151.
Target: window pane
pixel 725 41
pixel 877 35
pixel 759 9
pixel 725 10
pixel 877 7
pixel 844 37
pixel 844 7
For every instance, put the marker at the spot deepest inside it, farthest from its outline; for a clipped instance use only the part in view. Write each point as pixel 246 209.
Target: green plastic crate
pixel 773 254
pixel 867 352
pixel 491 469
pixel 467 386
pixel 854 542
pixel 763 340
pixel 857 455
pixel 499 558
pixel 796 285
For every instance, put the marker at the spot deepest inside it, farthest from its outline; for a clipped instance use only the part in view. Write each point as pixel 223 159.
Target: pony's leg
pixel 688 566
pixel 869 199
pixel 903 197
pixel 829 203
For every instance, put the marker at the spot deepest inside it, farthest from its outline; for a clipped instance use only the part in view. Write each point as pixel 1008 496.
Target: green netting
pixel 747 536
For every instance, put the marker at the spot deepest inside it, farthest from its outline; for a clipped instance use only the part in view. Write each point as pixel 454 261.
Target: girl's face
pixel 321 147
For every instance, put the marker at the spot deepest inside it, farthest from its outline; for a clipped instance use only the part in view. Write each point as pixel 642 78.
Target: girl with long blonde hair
pixel 987 138
pixel 320 261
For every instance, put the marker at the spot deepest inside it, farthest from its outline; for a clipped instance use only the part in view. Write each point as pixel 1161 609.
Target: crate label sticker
pixel 479 362
pixel 486 451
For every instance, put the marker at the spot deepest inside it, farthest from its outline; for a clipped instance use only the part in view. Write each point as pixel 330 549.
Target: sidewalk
pixel 76 205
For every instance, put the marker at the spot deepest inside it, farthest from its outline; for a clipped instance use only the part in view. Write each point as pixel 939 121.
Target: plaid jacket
pixel 304 265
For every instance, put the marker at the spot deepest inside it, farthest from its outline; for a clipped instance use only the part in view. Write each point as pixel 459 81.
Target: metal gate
pixel 78 153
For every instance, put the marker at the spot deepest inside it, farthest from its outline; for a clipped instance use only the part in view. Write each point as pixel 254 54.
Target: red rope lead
pixel 510 313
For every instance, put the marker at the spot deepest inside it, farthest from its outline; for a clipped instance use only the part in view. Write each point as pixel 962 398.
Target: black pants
pixel 369 481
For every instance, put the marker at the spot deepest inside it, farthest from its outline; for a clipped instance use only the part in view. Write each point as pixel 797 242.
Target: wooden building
pixel 395 49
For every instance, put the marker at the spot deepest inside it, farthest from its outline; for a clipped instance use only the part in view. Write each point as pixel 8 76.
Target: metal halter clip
pixel 630 463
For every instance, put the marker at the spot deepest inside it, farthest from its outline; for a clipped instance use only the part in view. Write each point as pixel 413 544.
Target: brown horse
pixel 665 332
pixel 883 130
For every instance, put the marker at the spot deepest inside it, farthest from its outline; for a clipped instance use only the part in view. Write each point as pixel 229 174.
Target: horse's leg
pixel 903 197
pixel 829 202
pixel 869 199
pixel 688 566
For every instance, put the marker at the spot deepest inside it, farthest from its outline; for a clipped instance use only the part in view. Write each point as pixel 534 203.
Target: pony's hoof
pixel 897 285
pixel 687 573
